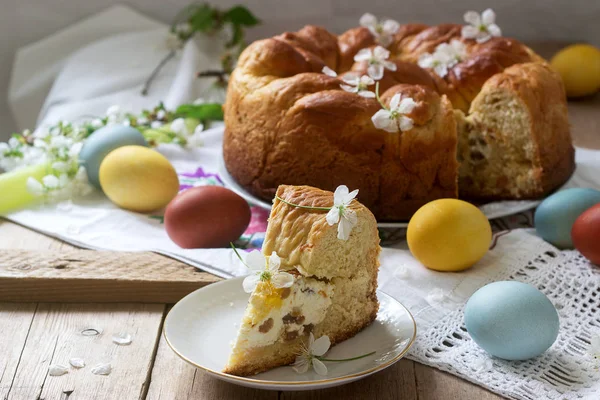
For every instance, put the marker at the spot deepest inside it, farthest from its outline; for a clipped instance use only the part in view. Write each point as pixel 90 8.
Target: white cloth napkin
pixel 104 61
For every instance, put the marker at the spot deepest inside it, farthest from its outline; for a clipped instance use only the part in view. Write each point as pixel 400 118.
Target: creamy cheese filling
pixel 283 314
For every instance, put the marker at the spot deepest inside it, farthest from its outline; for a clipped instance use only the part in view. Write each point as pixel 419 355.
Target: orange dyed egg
pixel 206 217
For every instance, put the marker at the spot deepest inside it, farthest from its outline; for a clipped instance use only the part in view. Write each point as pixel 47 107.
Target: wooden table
pixel 35 335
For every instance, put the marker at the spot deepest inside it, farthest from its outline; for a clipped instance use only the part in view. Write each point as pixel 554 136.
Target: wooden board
pixel 96 276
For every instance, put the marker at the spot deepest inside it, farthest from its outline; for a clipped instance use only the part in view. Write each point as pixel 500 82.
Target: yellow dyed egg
pixel 138 179
pixel 448 235
pixel 579 67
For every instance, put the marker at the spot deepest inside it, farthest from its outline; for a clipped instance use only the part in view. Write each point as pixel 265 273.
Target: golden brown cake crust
pixel 309 246
pixel 288 123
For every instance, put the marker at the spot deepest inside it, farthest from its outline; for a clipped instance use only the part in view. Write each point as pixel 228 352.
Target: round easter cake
pixel 406 114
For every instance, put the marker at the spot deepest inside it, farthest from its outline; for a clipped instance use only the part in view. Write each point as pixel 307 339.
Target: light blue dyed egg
pixel 102 142
pixel 511 320
pixel 555 217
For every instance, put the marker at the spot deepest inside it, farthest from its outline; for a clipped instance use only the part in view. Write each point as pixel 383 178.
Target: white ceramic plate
pixel 497 209
pixel 201 326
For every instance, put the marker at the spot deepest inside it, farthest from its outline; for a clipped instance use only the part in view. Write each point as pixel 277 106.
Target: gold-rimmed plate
pixel 201 326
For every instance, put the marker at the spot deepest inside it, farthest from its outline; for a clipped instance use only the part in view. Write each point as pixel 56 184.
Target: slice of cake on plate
pixel 333 258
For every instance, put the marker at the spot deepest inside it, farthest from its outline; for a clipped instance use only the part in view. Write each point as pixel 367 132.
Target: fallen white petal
pixel 102 369
pixel 57 370
pixel 437 295
pixel 122 338
pixel 77 362
pixel 483 365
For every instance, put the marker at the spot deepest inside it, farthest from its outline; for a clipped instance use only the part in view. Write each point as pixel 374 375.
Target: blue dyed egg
pixel 555 217
pixel 511 320
pixel 102 142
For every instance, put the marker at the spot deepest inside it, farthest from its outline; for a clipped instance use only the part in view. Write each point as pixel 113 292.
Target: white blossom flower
pixel 445 56
pixel 195 140
pixel 50 182
pixel 142 120
pixel 329 72
pixel 595 346
pixel 156 124
pixel 75 149
pixel 263 271
pixel 34 186
pixel 41 132
pixel 395 119
pixel 481 27
pixel 383 31
pixel 340 213
pixel 309 355
pixel 161 114
pixel 377 60
pixel 359 85
pixel 179 126
pixel 60 166
pixel 97 123
pixel 13 142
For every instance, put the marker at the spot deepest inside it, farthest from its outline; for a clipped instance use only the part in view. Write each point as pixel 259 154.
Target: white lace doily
pixel 567 370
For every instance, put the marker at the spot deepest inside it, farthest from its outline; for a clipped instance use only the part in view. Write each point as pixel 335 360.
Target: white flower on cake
pixel 359 86
pixel 394 119
pixel 329 72
pixel 309 355
pixel 445 56
pixel 383 31
pixel 481 27
pixel 340 213
pixel 263 271
pixel 377 59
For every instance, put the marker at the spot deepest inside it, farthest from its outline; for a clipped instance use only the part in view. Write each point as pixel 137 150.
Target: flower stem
pixel 377 96
pixel 346 359
pixel 238 255
pixel 155 72
pixel 299 206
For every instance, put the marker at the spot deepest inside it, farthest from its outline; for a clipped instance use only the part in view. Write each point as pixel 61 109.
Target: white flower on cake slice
pixel 340 213
pixel 263 271
pixel 308 356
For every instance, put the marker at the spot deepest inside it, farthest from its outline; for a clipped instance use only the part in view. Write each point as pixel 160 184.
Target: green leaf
pixel 237 37
pixel 203 19
pixel 202 112
pixel 240 15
